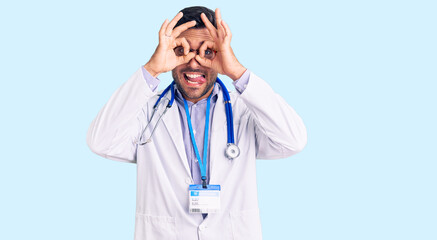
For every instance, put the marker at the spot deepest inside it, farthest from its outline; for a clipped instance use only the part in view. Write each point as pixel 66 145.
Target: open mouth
pixel 194 79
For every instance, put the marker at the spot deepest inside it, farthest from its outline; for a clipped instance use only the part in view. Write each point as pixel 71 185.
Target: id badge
pixel 204 200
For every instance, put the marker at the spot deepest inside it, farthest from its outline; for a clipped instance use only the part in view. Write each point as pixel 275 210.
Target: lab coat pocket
pixel 149 227
pixel 246 225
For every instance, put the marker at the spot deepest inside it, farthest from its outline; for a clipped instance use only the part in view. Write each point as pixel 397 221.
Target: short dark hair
pixel 193 13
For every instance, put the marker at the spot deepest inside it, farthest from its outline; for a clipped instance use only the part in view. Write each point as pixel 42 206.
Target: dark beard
pixel 186 95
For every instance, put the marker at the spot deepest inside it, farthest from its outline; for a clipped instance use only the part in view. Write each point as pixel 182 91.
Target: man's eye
pixel 209 53
pixel 179 51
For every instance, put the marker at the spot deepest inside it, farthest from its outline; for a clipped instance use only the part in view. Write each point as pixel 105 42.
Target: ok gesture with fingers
pixel 164 59
pixel 224 61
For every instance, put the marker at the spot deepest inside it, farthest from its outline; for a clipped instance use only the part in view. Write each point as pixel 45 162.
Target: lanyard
pixel 202 164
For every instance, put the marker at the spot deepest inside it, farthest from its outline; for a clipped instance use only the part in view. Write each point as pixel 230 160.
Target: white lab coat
pixel 265 127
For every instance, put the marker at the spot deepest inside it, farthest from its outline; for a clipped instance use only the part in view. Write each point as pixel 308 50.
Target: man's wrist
pixel 150 70
pixel 237 73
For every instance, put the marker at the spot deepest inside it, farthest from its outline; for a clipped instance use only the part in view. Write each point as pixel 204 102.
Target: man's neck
pixel 198 99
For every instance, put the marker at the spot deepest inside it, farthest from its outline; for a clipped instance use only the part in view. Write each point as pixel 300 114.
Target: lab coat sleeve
pixel 279 131
pixel 114 132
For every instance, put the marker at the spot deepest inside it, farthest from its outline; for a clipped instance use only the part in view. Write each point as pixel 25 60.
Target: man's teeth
pixel 191 82
pixel 193 75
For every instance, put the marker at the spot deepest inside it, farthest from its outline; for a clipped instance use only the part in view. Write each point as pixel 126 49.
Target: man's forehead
pixel 196 34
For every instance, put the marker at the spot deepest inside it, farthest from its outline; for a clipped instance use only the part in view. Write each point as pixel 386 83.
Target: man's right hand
pixel 164 59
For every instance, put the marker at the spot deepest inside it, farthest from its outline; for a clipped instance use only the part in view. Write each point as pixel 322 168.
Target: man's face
pixel 193 80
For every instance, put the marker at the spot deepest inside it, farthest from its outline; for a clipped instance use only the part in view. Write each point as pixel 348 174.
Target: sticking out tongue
pixel 194 79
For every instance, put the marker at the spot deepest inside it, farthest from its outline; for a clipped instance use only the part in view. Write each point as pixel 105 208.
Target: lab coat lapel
pixel 218 139
pixel 173 124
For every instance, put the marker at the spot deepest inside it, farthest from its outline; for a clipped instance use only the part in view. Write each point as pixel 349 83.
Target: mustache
pixel 193 70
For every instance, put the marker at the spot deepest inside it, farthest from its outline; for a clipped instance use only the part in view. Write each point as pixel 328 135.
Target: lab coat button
pixel 188 180
pixel 201 227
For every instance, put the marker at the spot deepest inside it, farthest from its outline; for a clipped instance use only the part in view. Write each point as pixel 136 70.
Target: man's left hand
pixel 225 61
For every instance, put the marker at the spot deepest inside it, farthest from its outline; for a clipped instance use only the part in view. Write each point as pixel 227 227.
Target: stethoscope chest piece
pixel 232 151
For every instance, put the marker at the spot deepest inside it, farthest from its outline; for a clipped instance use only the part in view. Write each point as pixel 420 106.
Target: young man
pixel 196 178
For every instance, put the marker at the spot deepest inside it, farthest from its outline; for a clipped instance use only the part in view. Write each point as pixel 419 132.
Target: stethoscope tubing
pixel 171 88
pixel 155 107
pixel 170 103
pixel 228 108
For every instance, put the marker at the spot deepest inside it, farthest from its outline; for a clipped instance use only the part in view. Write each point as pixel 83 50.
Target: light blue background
pixel 362 74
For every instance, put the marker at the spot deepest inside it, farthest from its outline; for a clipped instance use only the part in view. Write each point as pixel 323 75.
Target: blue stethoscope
pixel 232 150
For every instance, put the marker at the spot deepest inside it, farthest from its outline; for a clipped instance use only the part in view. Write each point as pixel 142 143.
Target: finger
pixel 204 46
pixel 188 57
pixel 218 14
pixel 177 31
pixel 173 23
pixel 182 42
pixel 185 59
pixel 220 30
pixel 212 30
pixel 163 27
pixel 227 29
pixel 203 61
